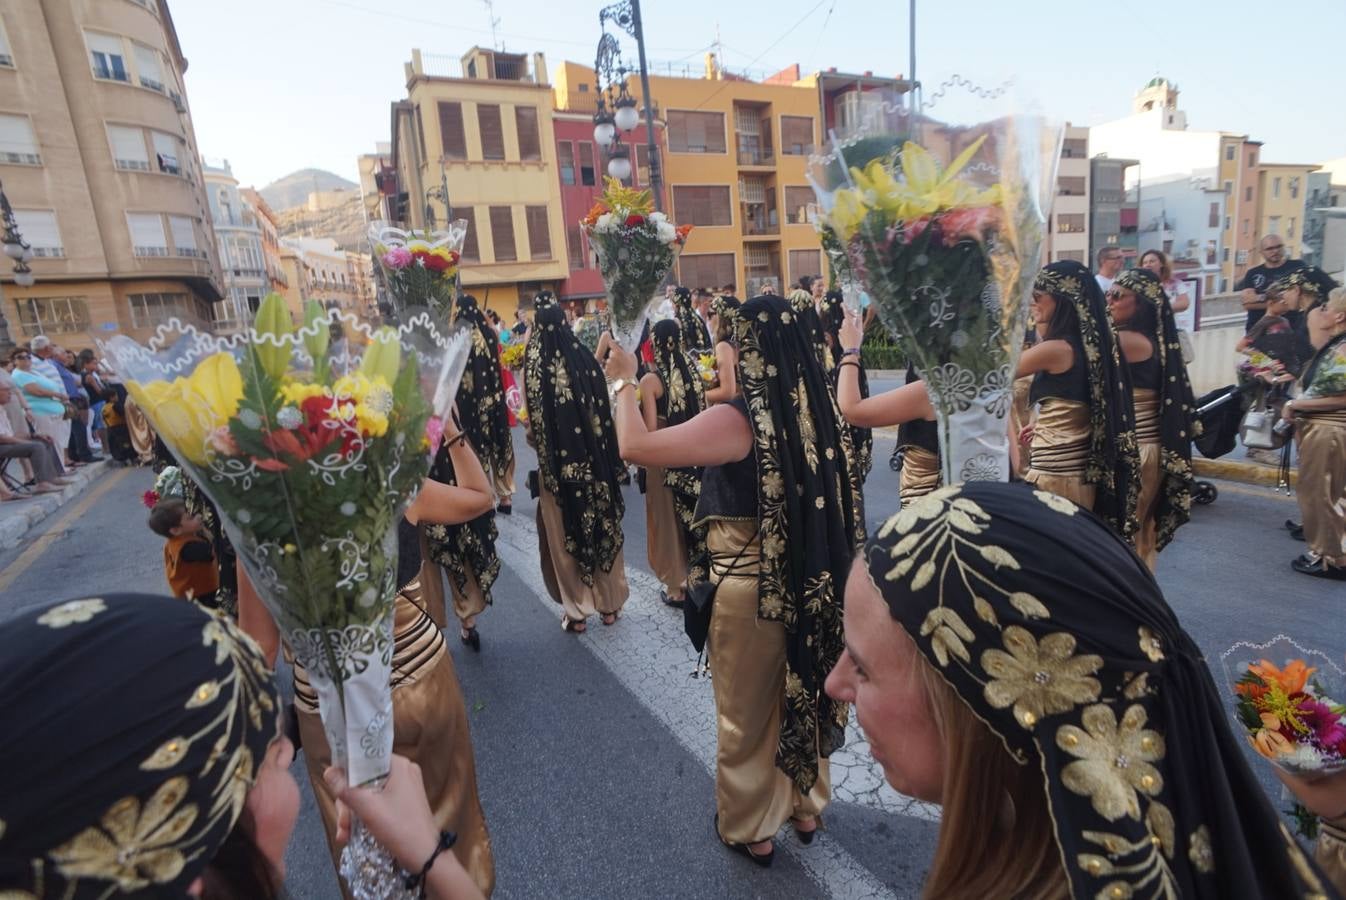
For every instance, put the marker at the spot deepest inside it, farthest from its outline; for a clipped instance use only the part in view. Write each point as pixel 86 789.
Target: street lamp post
pixel 17 249
pixel 608 67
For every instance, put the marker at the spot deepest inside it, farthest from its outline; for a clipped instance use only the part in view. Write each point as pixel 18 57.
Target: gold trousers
pixel 1151 458
pixel 920 474
pixel 665 545
pixel 430 727
pixel 1060 452
pixel 1322 485
pixel 142 434
pixel 752 797
pixel 561 573
pixel 504 483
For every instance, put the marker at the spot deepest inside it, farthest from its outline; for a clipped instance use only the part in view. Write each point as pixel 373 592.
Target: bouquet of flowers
pixel 636 248
pixel 942 226
pixel 512 356
pixel 705 367
pixel 589 329
pixel 310 453
pixel 420 268
pixel 168 484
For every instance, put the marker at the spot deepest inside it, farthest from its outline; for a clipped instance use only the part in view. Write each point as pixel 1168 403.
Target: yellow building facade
pixel 482 127
pixel 1282 188
pixel 734 154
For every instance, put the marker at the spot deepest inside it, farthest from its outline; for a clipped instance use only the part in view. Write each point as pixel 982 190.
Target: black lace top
pixel 918 432
pixel 1145 375
pixel 1072 384
pixel 730 491
pixel 408 552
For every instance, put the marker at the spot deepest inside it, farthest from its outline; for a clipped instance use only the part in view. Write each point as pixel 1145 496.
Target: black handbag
pixel 534 490
pixel 700 600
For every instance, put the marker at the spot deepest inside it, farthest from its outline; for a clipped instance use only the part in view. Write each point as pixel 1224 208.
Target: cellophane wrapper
pixel 942 225
pixel 310 444
pixel 1303 691
pixel 419 267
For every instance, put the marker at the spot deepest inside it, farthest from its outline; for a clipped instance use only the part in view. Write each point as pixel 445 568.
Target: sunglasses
pixel 22 356
pixel 1113 296
pixel 1273 249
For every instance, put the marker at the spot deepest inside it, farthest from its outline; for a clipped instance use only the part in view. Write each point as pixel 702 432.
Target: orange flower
pixel 683 231
pixel 1291 679
pixel 598 210
pixel 1268 740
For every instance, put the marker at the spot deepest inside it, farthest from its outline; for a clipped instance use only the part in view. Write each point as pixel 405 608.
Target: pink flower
pixel 973 223
pixel 224 442
pixel 1328 729
pixel 434 432
pixel 916 227
pixel 397 258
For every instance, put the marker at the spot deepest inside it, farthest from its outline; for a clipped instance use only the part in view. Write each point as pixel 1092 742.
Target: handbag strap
pixel 742 550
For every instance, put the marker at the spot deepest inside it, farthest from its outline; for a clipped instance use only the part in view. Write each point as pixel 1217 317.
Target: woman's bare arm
pixel 726 366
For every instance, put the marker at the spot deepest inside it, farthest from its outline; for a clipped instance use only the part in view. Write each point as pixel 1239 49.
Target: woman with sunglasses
pixel 1163 403
pixel 47 399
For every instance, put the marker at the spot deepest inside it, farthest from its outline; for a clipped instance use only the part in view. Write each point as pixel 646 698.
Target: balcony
pixel 751 153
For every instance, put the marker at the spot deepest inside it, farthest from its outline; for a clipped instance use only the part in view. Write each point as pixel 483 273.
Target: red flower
pixel 635 219
pixel 916 227
pixel 973 223
pixel 435 263
pixel 149 498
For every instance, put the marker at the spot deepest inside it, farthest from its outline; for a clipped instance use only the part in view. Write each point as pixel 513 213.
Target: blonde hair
pixel 990 803
pixel 1336 299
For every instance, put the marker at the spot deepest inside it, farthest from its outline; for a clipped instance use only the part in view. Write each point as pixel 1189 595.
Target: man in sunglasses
pixel 1255 283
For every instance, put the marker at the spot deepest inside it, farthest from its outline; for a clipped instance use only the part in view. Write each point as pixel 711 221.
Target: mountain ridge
pixel 292 190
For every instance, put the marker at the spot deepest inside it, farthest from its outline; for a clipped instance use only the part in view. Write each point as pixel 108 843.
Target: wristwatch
pixel 621 383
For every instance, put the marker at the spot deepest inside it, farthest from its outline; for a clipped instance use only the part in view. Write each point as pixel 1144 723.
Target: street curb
pixel 23 516
pixel 1245 472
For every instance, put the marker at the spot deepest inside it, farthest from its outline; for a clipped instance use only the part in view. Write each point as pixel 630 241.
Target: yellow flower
pixel 929 190
pixel 218 382
pixel 1113 760
pixel 186 410
pixel 370 422
pixel 296 392
pixel 848 211
pixel 1039 679
pixel 414 246
pixel 625 201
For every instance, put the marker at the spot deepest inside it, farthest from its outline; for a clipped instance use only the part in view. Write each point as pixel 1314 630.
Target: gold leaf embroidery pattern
pixel 1039 678
pixel 76 612
pixel 1113 761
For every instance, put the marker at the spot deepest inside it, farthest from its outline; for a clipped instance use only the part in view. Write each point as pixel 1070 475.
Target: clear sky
pixel 279 85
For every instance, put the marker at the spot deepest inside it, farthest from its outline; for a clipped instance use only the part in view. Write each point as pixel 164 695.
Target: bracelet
pixel 460 439
pixel 629 384
pixel 853 351
pixel 412 882
pixel 849 362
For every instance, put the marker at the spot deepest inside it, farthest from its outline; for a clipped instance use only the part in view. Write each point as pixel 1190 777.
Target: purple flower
pixel 1328 728
pixel 397 258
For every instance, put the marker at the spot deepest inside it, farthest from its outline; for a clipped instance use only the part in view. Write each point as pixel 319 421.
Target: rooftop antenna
pixel 719 52
pixel 495 22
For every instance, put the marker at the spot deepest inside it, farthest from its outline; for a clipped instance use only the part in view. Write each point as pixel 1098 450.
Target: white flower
pixel 604 224
pixel 657 217
pixel 667 233
pixel 1304 758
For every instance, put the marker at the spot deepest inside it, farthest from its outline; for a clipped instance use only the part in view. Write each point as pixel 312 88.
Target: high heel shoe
pixel 471 638
pixel 762 860
pixel 805 837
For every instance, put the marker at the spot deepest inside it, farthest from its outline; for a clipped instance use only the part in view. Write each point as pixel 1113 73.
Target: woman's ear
pixel 196 887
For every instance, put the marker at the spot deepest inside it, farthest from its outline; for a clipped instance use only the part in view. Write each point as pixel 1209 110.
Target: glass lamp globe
pixel 627 118
pixel 14 250
pixel 619 167
pixel 604 134
pixel 24 279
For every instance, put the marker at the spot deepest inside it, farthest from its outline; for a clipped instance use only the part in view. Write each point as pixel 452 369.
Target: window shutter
pixel 708 270
pixel 575 244
pixel 149 67
pixel 799 205
pixel 502 233
pixel 539 232
pixel 492 135
pixel 451 133
pixel 470 250
pixel 128 147
pixel 565 152
pixel 702 205
pixel 16 136
pixel 804 262
pixel 525 122
pixel 796 135
pixel 695 132
pixel 184 234
pixel 107 44
pixel 38 227
pixel 147 230
pixel 587 163
pixel 166 152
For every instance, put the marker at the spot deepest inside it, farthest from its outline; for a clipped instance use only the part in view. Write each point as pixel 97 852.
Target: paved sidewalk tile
pixel 22 516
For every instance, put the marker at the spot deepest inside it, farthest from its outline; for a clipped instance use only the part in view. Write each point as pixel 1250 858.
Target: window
pixel 1214 220
pixel 18 144
pixel 1225 255
pixel 1210 253
pixel 148 67
pixel 1228 223
pixel 420 133
pixel 796 135
pixel 695 132
pixel 1070 223
pixel 147 234
pixel 128 148
pixel 1229 152
pixel 1229 188
pixel 1274 225
pixel 702 205
pixel 1252 158
pixel 166 152
pixel 575 246
pixel 38 228
pixel 451 134
pixel 800 208
pixel 1290 227
pixel 805 262
pixel 586 163
pixel 706 270
pixel 502 233
pixel 492 133
pixel 1070 186
pixel 53 315
pixel 6 56
pixel 1248 194
pixel 1276 188
pixel 1224 285
pixel 539 232
pixel 108 55
pixel 1246 228
pixel 148 310
pixel 184 239
pixel 470 250
pixel 1294 188
pixel 1074 148
pixel 525 122
pixel 1072 255
pixel 643 163
pixel 565 152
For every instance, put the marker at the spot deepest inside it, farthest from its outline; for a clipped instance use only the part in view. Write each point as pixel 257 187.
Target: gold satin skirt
pixel 561 573
pixel 920 474
pixel 747 658
pixel 1060 451
pixel 142 433
pixel 430 727
pixel 1322 485
pixel 1021 413
pixel 1151 473
pixel 665 544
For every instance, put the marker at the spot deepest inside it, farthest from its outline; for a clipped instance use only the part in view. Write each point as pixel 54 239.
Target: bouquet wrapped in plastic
pixel 419 268
pixel 311 451
pixel 636 249
pixel 942 226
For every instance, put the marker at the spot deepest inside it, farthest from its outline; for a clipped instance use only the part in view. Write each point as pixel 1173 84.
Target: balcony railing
pixel 757 224
pixel 151 251
pixel 750 153
pixel 22 159
pixel 152 84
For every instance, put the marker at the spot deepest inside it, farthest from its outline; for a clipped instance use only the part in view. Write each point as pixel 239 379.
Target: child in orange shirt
pixel 189 558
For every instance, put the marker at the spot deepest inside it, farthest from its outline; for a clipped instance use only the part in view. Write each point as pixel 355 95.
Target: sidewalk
pixel 1237 466
pixel 22 516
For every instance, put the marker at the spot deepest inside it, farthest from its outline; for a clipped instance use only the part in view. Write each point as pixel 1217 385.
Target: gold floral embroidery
pixel 1200 852
pixel 1057 502
pixel 1113 761
pixel 1150 645
pixel 134 847
pixel 1039 678
pixel 752 365
pixel 74 612
pixel 1154 850
pixel 947 632
pixel 167 755
pixel 774 485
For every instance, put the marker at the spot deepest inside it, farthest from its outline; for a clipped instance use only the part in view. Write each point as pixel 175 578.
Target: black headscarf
pixel 571 421
pixel 695 334
pixel 134 728
pixel 809 501
pixel 832 314
pixel 1314 285
pixel 726 307
pixel 1177 422
pixel 1055 635
pixel 1114 456
pixel 481 395
pixel 465 549
pixel 684 397
pixel 801 302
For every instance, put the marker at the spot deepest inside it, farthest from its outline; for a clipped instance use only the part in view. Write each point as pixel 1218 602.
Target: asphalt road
pixel 593 753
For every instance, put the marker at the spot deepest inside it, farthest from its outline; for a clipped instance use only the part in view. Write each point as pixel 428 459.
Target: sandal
pixel 763 860
pixel 572 626
pixel 665 599
pixel 805 837
pixel 610 618
pixel 470 638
